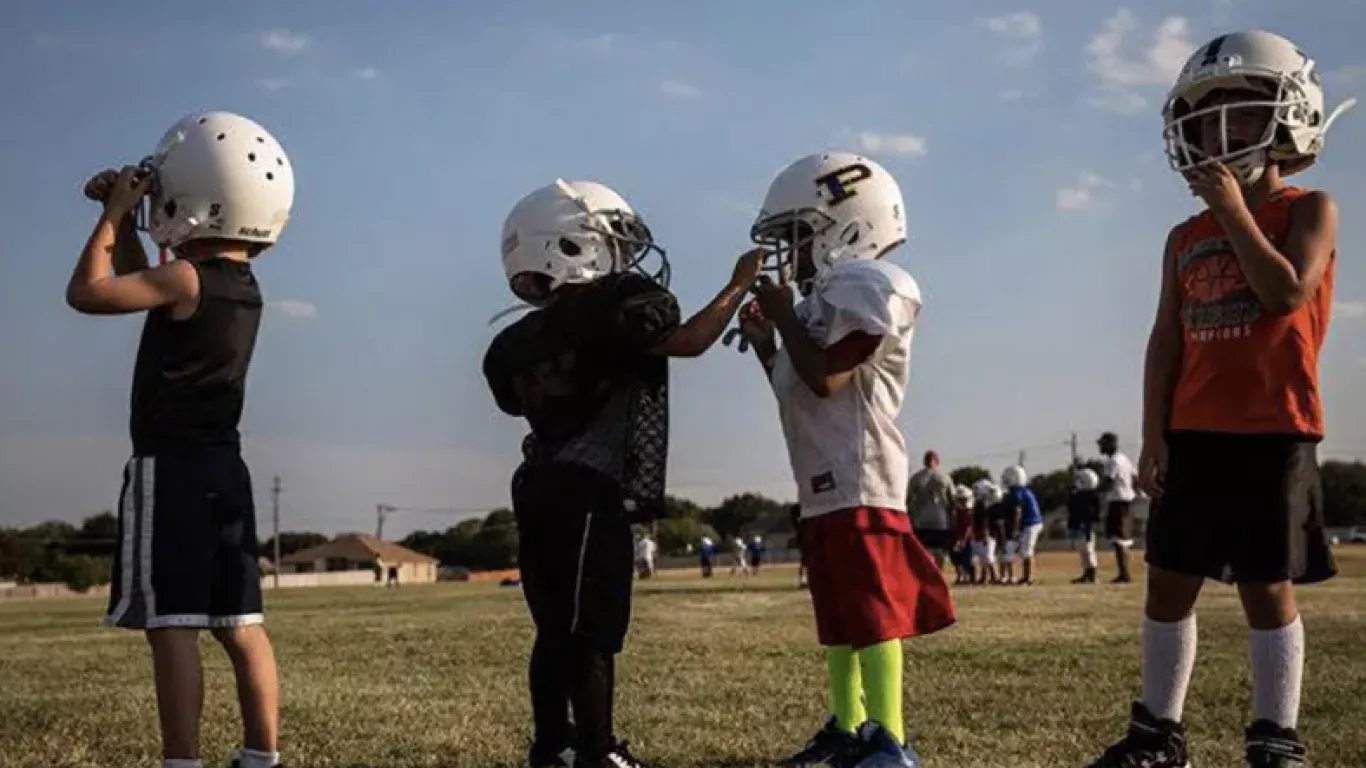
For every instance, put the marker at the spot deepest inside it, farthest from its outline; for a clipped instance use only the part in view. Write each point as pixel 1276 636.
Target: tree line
pixel 81 556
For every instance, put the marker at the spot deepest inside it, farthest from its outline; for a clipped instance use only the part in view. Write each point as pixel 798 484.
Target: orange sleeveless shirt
pixel 1245 370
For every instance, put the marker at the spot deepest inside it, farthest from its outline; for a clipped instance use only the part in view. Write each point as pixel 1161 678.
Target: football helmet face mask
pixel 572 233
pixel 216 175
pixel 827 208
pixel 1245 100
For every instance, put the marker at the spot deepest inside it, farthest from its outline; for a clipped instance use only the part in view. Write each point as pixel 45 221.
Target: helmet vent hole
pixel 280 161
pixel 251 156
pixel 260 140
pixel 222 136
pixel 203 120
pixel 270 176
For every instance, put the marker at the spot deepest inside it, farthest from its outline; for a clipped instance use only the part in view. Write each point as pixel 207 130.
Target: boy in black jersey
pixel 217 192
pixel 588 370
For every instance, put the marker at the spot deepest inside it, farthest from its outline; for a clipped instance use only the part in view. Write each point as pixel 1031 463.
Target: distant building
pixel 363 552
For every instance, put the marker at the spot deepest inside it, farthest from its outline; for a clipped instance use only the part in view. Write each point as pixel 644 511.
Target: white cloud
pixel 295 308
pixel 283 41
pixel 1022 33
pixel 1349 310
pixel 367 73
pixel 902 145
pixel 680 90
pixel 1122 70
pixel 1080 195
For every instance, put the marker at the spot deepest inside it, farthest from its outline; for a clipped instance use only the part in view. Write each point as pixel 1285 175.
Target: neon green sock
pixel 846 687
pixel 882 673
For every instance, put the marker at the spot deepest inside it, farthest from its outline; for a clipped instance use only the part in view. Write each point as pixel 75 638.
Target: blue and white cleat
pixel 882 750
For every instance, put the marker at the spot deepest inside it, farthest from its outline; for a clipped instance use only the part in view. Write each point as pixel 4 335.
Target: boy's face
pixel 1243 126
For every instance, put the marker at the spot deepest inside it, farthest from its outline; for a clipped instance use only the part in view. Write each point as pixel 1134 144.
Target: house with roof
pixel 391 563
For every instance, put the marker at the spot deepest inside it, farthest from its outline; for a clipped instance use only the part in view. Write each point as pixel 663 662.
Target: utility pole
pixel 381 511
pixel 1021 462
pixel 1076 457
pixel 275 489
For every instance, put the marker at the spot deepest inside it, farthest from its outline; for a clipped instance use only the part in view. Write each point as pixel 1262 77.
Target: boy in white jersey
pixel 1117 490
pixel 840 377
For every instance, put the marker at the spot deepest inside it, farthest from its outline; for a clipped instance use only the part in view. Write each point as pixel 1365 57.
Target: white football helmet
pixel 982 490
pixel 1250 61
pixel 1086 479
pixel 574 232
pixel 217 175
pixel 963 495
pixel 1014 477
pixel 843 205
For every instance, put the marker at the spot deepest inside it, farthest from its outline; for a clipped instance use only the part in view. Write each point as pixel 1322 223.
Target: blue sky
pixel 1025 137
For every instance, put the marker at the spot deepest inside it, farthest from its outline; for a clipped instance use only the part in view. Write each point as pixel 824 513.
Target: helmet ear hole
pixel 569 247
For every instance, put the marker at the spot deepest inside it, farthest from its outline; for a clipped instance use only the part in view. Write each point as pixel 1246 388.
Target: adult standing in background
pixel 930 497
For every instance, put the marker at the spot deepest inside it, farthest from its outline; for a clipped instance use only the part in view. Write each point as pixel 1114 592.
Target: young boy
pixel 218 192
pixel 1026 516
pixel 840 377
pixel 588 370
pixel 1083 515
pixel 1231 390
pixel 962 543
pixel 1003 525
pixel 1117 488
pixel 983 544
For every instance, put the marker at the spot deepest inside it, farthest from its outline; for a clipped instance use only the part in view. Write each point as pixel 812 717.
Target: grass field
pixel 718 673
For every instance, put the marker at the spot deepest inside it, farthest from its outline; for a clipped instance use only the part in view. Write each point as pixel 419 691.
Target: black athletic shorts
pixel 186 554
pixel 935 539
pixel 1241 508
pixel 576 553
pixel 1119 522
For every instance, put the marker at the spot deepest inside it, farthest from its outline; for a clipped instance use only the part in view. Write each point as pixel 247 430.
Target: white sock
pixel 181 763
pixel 1168 660
pixel 250 758
pixel 1277 671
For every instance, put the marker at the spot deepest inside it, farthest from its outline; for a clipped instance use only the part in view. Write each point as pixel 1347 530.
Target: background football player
pixel 840 377
pixel 588 370
pixel 1027 517
pixel 985 494
pixel 217 192
pixel 1083 515
pixel 964 572
pixel 1118 481
pixel 1231 389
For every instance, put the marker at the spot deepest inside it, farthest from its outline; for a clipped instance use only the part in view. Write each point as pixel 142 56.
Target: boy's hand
pixel 773 298
pixel 98 187
pixel 127 191
pixel 757 329
pixel 1217 186
pixel 747 269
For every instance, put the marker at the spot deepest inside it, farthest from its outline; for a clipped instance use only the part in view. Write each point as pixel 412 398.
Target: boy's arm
pixel 129 255
pixel 702 330
pixel 95 289
pixel 1284 279
pixel 1162 361
pixel 826 371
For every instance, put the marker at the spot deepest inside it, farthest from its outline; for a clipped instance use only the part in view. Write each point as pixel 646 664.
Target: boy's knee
pixel 238 638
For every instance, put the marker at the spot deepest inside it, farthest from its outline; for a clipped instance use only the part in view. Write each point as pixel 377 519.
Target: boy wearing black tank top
pixel 217 192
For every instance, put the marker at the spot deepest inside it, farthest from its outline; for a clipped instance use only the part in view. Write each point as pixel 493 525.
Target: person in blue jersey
pixel 1028 518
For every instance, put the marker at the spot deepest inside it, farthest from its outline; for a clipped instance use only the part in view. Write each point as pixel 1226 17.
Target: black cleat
pixel 1150 743
pixel 1271 746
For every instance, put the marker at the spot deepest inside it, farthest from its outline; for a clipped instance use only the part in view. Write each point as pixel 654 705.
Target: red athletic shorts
pixel 870 579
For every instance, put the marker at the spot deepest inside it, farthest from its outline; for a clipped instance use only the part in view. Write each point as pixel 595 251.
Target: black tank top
pixel 191 374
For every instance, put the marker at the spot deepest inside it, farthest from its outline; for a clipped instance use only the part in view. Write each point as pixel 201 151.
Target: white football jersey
pixel 847 450
pixel 1122 471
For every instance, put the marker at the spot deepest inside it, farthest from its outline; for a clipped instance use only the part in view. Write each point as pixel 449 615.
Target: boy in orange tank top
pixel 1232 411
